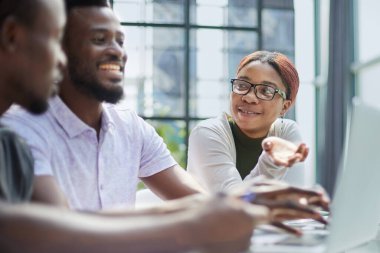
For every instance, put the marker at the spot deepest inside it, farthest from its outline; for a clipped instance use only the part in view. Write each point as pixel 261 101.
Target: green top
pixel 248 150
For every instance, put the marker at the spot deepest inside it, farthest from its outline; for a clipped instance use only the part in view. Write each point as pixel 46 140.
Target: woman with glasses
pixel 254 139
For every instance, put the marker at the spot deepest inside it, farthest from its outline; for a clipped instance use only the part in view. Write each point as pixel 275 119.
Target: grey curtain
pixel 339 89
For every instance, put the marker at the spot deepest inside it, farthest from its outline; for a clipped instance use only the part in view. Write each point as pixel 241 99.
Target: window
pixel 182 53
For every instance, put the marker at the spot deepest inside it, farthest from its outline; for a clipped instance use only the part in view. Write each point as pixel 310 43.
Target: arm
pixel 172 183
pixel 46 190
pixel 219 225
pixel 272 163
pixel 211 158
pixel 45 187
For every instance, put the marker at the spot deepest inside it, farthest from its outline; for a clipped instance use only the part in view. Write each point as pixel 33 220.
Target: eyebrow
pixel 246 78
pixel 104 30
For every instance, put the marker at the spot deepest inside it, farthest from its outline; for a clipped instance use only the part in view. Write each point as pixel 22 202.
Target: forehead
pixel 50 15
pixel 87 19
pixel 258 72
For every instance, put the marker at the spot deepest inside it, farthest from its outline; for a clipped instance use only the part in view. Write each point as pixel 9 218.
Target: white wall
pixel 368 48
pixel 304 60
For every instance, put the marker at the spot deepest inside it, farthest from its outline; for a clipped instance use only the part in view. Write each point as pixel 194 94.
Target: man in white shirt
pixel 87 153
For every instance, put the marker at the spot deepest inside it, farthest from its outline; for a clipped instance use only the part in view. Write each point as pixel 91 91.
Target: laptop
pixel 355 209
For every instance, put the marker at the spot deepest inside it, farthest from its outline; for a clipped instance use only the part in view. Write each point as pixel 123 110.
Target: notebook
pixel 356 207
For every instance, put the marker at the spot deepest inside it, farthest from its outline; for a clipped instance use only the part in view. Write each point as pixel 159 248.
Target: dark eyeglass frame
pixel 254 85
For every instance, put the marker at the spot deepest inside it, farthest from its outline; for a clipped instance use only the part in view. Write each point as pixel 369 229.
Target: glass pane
pixel 154 76
pixel 368 88
pixel 150 11
pixel 368 41
pixel 224 12
pixel 278 31
pixel 214 57
pixel 174 134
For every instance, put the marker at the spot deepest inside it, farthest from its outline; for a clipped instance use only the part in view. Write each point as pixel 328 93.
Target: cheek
pixel 276 109
pixel 234 101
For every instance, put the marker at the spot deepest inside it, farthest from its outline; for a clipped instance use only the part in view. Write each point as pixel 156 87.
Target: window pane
pixel 150 11
pixel 174 134
pixel 154 73
pixel 278 30
pixel 367 86
pixel 368 41
pixel 224 12
pixel 213 59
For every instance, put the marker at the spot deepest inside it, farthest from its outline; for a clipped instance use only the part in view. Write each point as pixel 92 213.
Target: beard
pixel 85 81
pixel 37 106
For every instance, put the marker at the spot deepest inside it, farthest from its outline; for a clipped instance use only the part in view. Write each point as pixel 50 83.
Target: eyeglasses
pixel 262 91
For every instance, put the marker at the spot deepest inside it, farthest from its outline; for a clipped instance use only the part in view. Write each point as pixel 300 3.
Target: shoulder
pixel 127 119
pixel 287 129
pixel 121 113
pixel 17 117
pixel 7 134
pixel 36 129
pixel 284 123
pixel 12 143
pixel 214 129
pixel 217 124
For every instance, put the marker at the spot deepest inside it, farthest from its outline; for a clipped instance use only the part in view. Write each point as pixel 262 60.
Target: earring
pixel 282 121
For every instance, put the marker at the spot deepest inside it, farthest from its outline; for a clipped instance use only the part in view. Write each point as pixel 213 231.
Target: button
pixel 101 187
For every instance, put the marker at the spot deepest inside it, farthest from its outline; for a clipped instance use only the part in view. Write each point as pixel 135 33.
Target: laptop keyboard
pixel 309 240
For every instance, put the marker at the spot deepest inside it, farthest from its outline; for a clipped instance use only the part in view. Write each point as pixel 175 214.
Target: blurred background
pixel 182 53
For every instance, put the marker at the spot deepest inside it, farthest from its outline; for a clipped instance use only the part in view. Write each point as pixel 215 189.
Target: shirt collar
pixel 107 121
pixel 69 121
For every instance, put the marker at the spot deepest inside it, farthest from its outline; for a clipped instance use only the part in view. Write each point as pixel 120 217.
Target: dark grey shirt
pixel 16 168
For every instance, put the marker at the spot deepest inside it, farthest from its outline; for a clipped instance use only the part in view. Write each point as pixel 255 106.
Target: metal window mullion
pixel 259 24
pixel 191 26
pixel 187 74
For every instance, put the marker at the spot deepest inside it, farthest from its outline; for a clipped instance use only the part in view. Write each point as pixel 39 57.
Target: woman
pixel 255 139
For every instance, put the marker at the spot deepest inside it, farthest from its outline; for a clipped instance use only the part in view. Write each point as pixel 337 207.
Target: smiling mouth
pixel 241 110
pixel 111 67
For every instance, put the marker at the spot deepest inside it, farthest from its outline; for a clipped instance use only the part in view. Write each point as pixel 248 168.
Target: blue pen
pixel 249 197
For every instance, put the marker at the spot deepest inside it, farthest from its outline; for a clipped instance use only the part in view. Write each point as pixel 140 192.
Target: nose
pixel 250 97
pixel 117 51
pixel 61 64
pixel 62 59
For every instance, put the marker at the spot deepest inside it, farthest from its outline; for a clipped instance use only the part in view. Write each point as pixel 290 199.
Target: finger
pixel 317 199
pixel 300 148
pixel 305 154
pixel 267 145
pixel 283 214
pixel 292 210
pixel 294 158
pixel 286 228
pixel 320 202
pixel 279 162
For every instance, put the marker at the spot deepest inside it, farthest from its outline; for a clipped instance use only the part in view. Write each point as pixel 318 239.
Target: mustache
pixel 113 59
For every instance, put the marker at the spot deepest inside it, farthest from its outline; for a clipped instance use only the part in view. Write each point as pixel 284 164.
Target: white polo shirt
pixel 94 174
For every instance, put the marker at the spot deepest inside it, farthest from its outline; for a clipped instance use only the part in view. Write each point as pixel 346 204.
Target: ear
pixel 9 34
pixel 285 106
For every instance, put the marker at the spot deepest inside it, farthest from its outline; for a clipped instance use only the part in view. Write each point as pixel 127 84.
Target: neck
pixel 85 107
pixel 5 101
pixel 4 105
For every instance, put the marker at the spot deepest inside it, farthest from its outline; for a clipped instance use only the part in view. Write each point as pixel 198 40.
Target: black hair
pixel 24 10
pixel 71 4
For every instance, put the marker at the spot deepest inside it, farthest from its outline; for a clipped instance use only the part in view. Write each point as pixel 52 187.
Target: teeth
pixel 247 112
pixel 110 67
